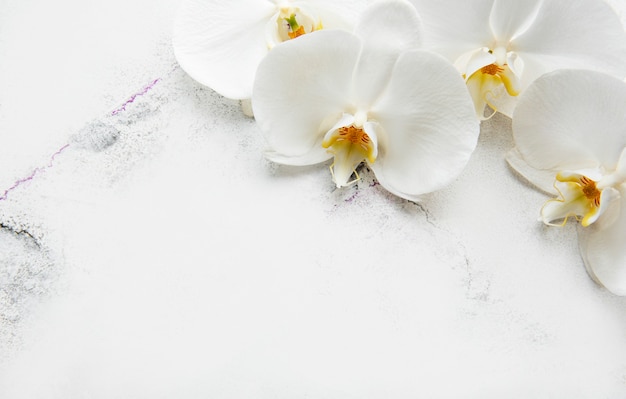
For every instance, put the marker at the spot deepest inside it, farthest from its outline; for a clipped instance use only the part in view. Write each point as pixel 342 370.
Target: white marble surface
pixel 160 256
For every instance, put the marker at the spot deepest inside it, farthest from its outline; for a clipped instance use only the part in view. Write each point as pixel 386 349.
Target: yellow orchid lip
pixel 350 146
pixel 579 197
pixel 483 83
pixel 354 137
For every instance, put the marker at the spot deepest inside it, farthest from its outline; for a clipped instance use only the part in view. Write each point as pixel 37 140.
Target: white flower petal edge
pixel 390 26
pixel 604 252
pixel 541 179
pixel 430 126
pixel 571 119
pixel 510 18
pixel 386 31
pixel 349 10
pixel 220 43
pixel 582 34
pixel 416 134
pixel 453 28
pixel 334 14
pixel 571 123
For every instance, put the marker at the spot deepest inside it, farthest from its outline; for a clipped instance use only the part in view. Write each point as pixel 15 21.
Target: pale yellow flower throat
pixel 483 83
pixel 581 197
pixel 293 22
pixel 350 146
pixel 590 190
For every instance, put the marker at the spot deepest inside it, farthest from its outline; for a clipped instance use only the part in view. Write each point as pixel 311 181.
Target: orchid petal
pixel 595 41
pixel 220 44
pixel 542 179
pixel 453 27
pixel 422 148
pixel 313 76
pixel 603 250
pixel 272 35
pixel 390 24
pixel 621 163
pixel 316 155
pixel 510 18
pixel 335 13
pixel 387 29
pixel 570 120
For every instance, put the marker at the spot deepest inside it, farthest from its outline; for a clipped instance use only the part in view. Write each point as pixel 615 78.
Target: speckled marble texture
pixel 148 250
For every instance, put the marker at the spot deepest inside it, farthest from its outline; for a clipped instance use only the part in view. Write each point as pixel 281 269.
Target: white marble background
pixel 160 256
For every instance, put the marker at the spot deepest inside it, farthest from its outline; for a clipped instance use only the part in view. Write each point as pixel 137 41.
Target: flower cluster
pixel 402 86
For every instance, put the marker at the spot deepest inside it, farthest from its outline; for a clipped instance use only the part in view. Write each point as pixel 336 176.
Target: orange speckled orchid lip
pixel 483 83
pixel 350 146
pixel 579 196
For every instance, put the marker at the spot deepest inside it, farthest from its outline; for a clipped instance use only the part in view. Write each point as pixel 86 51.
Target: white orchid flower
pixel 571 124
pixel 501 46
pixel 369 96
pixel 220 43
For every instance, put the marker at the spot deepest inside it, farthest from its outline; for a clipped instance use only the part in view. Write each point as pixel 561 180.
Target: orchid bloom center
pixel 294 29
pixel 350 146
pixel 580 197
pixel 590 190
pixel 484 82
pixel 292 22
pixel 491 69
pixel 498 75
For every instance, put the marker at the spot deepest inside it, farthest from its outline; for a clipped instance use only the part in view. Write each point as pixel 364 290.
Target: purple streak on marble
pixel 134 97
pixel 356 193
pixel 352 197
pixel 33 174
pixel 49 165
